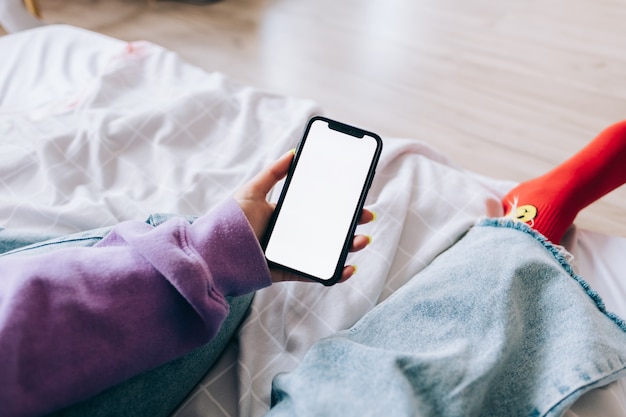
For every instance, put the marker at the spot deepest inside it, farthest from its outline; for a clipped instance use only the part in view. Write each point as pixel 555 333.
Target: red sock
pixel 551 202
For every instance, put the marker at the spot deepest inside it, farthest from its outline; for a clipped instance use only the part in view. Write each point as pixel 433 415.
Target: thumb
pixel 265 180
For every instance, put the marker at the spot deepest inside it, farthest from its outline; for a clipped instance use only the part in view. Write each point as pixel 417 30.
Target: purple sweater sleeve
pixel 78 320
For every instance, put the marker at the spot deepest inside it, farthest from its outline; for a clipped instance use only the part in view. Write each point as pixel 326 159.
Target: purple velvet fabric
pixel 78 320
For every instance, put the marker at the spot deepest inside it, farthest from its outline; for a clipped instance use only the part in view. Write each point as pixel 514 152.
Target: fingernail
pixel 374 215
pixel 355 269
pixel 369 239
pixel 293 151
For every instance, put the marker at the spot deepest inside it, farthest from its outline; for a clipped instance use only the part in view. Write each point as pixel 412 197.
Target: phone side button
pixel 369 184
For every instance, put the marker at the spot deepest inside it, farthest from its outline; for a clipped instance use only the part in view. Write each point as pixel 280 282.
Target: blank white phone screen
pixel 319 205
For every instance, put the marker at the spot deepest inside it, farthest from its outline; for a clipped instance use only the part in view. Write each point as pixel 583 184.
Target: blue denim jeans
pixel 156 392
pixel 498 325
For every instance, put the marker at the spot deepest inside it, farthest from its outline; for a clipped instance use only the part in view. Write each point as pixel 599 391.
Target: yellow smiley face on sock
pixel 526 213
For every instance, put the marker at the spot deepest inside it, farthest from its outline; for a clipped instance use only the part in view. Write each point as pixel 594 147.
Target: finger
pixel 366 216
pixel 264 181
pixel 494 208
pixel 348 272
pixel 360 242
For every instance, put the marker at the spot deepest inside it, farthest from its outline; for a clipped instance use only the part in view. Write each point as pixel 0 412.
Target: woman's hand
pixel 252 198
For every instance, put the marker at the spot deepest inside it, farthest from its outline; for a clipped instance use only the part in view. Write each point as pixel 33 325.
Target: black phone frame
pixel 349 130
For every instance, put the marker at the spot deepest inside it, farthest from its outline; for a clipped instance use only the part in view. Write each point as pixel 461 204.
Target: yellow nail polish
pixel 293 151
pixel 355 269
pixel 369 239
pixel 374 216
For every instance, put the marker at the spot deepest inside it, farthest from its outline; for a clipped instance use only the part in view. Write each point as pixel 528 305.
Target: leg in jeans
pixel 498 325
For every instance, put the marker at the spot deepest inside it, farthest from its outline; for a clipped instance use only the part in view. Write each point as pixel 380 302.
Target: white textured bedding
pixel 94 131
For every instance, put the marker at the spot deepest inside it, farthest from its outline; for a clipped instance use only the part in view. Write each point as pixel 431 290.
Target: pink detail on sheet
pixel 135 48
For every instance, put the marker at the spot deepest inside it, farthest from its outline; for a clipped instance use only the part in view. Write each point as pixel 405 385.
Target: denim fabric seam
pixel 560 258
pixel 51 243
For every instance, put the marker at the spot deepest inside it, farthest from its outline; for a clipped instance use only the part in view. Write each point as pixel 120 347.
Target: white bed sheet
pixel 94 131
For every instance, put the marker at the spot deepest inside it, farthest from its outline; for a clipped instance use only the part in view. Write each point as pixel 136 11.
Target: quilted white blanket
pixel 94 131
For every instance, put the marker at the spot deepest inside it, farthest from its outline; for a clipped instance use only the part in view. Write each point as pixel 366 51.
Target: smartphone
pixel 311 230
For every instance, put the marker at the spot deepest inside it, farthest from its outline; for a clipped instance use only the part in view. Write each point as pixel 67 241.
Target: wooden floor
pixel 507 88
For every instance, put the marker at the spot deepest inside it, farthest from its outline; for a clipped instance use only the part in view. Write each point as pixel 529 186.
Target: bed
pixel 94 131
